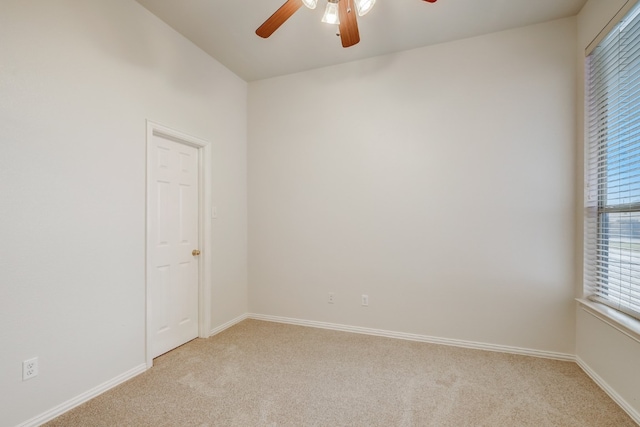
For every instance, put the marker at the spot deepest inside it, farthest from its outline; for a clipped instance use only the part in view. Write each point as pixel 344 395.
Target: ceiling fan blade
pixel 349 33
pixel 278 18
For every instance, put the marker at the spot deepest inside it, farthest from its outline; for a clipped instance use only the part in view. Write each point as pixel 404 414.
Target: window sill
pixel 620 321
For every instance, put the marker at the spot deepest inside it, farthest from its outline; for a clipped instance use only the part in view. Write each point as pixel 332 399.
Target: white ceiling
pixel 226 29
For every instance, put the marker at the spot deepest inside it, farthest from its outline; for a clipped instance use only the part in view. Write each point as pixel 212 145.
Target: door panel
pixel 173 225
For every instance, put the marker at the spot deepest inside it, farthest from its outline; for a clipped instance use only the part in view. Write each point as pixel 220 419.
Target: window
pixel 612 199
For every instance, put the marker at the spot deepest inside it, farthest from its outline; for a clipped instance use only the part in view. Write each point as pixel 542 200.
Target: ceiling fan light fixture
pixel 331 15
pixel 311 4
pixel 364 6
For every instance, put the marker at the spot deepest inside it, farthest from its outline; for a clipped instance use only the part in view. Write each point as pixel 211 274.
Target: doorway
pixel 177 243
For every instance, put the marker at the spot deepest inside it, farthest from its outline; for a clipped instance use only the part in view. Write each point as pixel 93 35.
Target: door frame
pixel 205 203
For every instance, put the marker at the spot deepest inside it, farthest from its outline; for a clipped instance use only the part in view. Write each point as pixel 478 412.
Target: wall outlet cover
pixel 29 368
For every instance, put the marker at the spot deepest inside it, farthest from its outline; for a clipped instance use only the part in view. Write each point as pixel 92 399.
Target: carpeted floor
pixel 269 374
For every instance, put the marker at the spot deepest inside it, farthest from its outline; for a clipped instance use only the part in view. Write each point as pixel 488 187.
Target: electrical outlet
pixel 331 297
pixel 365 300
pixel 29 368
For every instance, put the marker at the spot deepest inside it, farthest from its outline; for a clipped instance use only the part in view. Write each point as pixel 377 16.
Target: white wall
pixel 603 350
pixel 78 79
pixel 439 181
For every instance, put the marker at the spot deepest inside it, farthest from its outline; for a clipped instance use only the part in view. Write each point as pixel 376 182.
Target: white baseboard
pixel 635 415
pixel 84 397
pixel 416 337
pixel 227 325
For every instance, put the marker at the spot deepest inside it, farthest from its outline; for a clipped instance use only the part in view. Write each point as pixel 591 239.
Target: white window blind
pixel 612 199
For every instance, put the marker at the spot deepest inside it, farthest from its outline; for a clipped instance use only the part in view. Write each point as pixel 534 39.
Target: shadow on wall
pixel 125 33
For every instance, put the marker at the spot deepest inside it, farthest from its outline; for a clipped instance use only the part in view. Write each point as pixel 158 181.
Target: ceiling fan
pixel 339 12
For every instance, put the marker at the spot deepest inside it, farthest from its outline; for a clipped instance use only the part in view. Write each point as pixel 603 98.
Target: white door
pixel 172 239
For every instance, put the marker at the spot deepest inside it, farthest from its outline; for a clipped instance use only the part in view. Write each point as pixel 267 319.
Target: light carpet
pixel 268 374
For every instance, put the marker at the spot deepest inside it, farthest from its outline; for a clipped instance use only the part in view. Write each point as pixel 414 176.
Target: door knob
pixel 195 252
